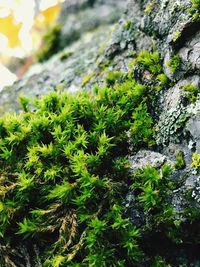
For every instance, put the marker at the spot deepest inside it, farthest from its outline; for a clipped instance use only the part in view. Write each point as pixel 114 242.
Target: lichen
pixel 170 123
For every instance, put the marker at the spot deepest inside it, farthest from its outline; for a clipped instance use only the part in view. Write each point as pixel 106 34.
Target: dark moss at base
pixel 51 44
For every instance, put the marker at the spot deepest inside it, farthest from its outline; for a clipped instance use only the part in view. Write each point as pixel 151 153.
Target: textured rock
pixel 194 129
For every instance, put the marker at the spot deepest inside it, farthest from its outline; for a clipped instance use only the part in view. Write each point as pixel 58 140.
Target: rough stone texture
pixel 165 24
pixel 146 157
pixel 193 127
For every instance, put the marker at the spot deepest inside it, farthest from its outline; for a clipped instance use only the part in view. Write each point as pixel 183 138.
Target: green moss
pixel 150 60
pixel 195 10
pixel 153 186
pixel 191 92
pixel 176 36
pixel 65 172
pixel 128 25
pixel 65 55
pixel 149 7
pixel 24 102
pixel 175 63
pixel 196 161
pixel 87 78
pixel 160 262
pixel 59 160
pixel 142 129
pixel 180 161
pixel 51 43
pixel 112 77
pixel 149 65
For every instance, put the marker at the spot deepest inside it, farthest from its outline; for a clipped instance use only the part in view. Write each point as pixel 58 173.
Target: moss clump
pixel 87 78
pixel 153 185
pixel 128 25
pixel 180 161
pixel 195 10
pixel 151 61
pixel 24 102
pixel 65 55
pixel 175 63
pixel 64 170
pixel 176 36
pixel 160 262
pixel 191 92
pixel 51 43
pixel 112 77
pixel 196 161
pixel 149 7
pixel 148 66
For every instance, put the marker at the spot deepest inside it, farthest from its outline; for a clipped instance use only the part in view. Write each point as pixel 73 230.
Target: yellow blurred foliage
pixel 10 29
pixel 47 17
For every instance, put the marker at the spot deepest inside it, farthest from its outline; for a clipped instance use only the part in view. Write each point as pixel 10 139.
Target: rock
pixel 146 157
pixel 193 127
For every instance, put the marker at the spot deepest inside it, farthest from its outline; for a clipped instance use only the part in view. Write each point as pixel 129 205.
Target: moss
pixel 87 78
pixel 24 102
pixel 60 159
pixel 195 10
pixel 127 25
pixel 65 55
pixel 191 92
pixel 51 43
pixel 112 77
pixel 57 163
pixel 175 63
pixel 150 60
pixel 153 188
pixel 149 7
pixel 180 161
pixel 159 262
pixel 176 36
pixel 196 161
pixel 149 66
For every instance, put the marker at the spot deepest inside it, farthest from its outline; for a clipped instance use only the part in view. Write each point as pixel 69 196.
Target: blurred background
pixel 22 26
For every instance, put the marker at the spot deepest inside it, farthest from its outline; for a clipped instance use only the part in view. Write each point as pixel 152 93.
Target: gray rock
pixel 147 157
pixel 193 127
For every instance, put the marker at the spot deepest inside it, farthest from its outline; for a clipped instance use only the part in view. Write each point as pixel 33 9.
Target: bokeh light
pixel 22 23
